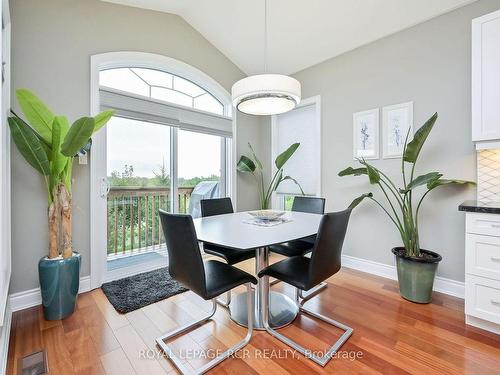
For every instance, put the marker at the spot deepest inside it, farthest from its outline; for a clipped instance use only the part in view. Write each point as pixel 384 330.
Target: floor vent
pixel 34 364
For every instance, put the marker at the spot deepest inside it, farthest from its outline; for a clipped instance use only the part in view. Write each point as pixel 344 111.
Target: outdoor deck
pixel 133 223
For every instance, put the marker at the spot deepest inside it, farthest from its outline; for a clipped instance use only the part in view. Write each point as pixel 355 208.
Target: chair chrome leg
pixel 225 304
pixel 320 360
pixel 160 341
pixel 274 282
pixel 228 299
pixel 313 291
pixel 297 296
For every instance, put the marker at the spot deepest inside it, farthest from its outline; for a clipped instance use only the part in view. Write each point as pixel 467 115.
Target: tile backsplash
pixel 488 175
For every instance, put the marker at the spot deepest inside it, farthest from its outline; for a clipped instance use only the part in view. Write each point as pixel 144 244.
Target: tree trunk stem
pixel 54 214
pixel 65 202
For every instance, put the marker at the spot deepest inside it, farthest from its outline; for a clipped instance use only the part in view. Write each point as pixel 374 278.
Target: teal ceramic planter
pixel 59 283
pixel 416 275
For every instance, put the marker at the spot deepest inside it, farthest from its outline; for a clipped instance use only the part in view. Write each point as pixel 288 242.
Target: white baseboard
pixel 441 284
pixel 369 266
pixel 32 297
pixel 4 339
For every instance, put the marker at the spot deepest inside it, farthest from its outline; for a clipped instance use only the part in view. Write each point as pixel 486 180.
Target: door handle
pixel 104 188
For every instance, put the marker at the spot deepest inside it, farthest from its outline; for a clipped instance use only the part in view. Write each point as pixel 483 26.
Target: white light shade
pixel 266 94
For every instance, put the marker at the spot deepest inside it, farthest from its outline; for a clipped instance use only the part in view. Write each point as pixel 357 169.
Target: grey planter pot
pixel 59 283
pixel 416 275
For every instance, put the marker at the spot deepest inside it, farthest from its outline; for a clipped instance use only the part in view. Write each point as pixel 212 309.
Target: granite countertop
pixel 481 207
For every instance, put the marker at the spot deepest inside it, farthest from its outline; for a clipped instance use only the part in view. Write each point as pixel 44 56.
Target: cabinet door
pixel 482 256
pixel 482 298
pixel 486 77
pixel 479 223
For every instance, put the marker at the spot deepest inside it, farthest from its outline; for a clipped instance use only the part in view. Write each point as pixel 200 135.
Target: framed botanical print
pixel 397 123
pixel 365 134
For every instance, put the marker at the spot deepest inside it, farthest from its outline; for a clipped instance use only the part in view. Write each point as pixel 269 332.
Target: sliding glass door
pixel 139 178
pixel 152 166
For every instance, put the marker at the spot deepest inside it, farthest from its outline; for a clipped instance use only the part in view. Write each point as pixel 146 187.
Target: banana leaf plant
pixel 251 164
pixel 49 144
pixel 401 209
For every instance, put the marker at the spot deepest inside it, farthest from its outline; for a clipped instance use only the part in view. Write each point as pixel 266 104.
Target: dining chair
pixel 220 206
pixel 208 279
pixel 305 273
pixel 311 205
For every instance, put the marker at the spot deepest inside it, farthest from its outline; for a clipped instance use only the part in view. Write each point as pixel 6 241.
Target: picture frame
pixel 366 134
pixel 397 120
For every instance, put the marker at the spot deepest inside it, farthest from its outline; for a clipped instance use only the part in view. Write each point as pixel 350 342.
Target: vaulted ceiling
pixel 301 33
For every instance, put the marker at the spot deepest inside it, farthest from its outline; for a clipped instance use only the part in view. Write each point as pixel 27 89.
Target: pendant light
pixel 266 94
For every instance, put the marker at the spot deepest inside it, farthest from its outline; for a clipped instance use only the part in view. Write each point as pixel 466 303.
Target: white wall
pixel 51 48
pixel 430 65
pixel 257 131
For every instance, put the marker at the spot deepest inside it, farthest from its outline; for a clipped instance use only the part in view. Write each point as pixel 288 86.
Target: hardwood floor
pixel 391 335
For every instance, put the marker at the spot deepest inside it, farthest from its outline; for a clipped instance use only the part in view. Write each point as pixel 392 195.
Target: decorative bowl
pixel 267 215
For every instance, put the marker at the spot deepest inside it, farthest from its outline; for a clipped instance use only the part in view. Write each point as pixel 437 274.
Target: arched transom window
pixel 160 85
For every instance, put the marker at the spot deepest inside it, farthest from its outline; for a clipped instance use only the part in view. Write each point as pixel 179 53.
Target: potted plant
pixel 251 164
pixel 48 143
pixel 416 267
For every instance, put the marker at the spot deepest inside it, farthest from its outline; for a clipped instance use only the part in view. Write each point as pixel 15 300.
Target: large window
pixel 199 166
pixel 162 86
pixel 167 147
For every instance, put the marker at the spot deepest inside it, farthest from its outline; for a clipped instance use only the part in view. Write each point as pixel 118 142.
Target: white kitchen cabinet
pixel 483 298
pixel 482 270
pixel 486 80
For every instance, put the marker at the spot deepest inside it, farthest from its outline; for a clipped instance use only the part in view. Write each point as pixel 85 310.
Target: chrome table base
pixel 283 309
pixel 282 312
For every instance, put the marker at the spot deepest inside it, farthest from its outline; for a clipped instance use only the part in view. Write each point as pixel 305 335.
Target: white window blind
pixel 300 125
pixel 144 108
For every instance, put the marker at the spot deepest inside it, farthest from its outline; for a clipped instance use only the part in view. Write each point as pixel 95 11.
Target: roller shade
pixel 142 108
pixel 299 125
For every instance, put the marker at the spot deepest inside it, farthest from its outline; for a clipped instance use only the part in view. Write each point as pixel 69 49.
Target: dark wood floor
pixel 391 335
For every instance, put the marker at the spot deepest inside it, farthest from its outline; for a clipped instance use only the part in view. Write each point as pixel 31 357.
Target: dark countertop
pixel 481 207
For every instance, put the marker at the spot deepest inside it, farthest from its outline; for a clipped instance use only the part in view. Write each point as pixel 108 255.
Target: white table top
pixel 230 231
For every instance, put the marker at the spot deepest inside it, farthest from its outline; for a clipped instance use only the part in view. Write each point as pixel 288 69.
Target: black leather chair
pixel 310 205
pixel 305 273
pixel 207 279
pixel 220 206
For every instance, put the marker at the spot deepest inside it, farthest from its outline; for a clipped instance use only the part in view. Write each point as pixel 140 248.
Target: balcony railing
pixel 133 222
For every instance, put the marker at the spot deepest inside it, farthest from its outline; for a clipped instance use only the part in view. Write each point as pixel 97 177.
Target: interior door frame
pixel 5 170
pixel 98 201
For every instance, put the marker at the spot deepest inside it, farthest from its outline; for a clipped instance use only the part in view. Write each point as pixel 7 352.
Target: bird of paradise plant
pixel 251 164
pixel 49 144
pixel 401 209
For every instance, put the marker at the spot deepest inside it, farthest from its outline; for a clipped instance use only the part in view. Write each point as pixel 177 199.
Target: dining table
pixel 238 232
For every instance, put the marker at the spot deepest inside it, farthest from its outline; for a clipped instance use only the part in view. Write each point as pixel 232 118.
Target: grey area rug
pixel 134 292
